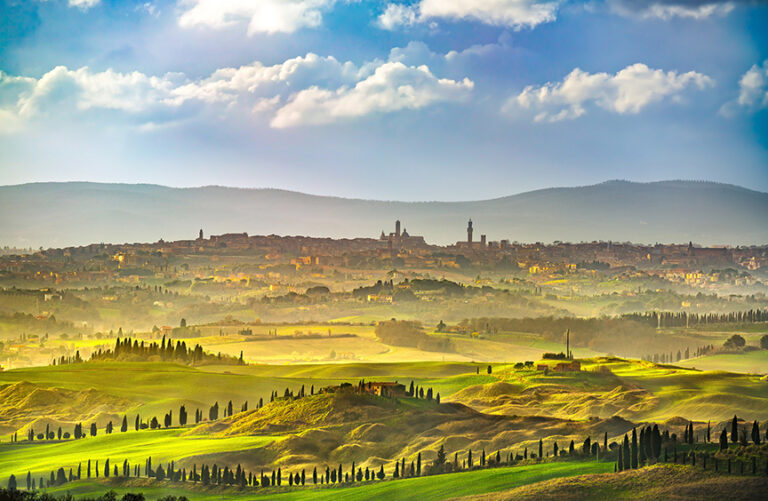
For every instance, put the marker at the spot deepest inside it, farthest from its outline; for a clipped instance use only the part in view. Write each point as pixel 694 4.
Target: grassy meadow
pixel 435 487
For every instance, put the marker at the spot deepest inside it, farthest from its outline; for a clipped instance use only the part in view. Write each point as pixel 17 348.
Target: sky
pixel 384 99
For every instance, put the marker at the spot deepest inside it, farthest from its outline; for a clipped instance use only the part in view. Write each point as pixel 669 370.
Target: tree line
pixel 663 319
pixel 129 349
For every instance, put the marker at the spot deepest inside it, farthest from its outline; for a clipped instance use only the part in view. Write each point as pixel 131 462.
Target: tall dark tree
pixel 124 425
pixel 182 416
pixel 634 458
pixel 734 430
pixel 93 429
pixel 620 459
pixel 626 452
pixel 12 483
pixel 723 440
pixel 756 433
pixel 656 441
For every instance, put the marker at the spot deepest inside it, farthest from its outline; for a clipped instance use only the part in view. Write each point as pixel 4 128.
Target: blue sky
pixel 417 100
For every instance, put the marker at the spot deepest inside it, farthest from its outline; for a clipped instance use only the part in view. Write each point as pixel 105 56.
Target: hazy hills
pixel 62 214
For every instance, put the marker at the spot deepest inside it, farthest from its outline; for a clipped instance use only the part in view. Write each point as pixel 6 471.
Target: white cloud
pixel 753 87
pixel 262 16
pixel 392 87
pixel 227 84
pixel 84 4
pixel 396 15
pixel 131 92
pixel 307 87
pixel 753 92
pixel 628 91
pixel 512 13
pixel 668 9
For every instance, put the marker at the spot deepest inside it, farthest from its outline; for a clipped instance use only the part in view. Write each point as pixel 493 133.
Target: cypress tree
pixel 656 441
pixel 756 433
pixel 634 449
pixel 541 449
pixel 620 460
pixel 734 430
pixel 723 440
pixel 12 483
pixel 625 452
pixel 418 463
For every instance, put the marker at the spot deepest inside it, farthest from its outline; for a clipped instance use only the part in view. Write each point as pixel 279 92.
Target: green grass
pixel 426 488
pixel 157 388
pixel 754 362
pixel 162 445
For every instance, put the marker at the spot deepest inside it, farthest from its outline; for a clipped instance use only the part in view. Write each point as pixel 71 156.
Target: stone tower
pixel 469 232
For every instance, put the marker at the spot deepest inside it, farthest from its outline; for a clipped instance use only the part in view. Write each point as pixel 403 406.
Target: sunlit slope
pixel 753 362
pixel 634 390
pixel 346 426
pixel 24 405
pixel 652 483
pixel 161 445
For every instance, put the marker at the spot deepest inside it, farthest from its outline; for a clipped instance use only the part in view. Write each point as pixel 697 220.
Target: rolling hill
pixel 65 214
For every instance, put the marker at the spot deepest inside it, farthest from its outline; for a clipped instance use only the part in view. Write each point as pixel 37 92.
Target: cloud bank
pixel 305 90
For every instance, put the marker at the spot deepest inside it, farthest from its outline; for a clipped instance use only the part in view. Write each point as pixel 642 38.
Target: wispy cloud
pixel 511 13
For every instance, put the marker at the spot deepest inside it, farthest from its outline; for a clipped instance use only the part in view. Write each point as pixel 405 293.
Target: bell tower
pixel 469 233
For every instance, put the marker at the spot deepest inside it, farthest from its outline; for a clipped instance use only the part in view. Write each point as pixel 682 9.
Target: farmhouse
pixel 380 389
pixel 572 366
pixel 384 389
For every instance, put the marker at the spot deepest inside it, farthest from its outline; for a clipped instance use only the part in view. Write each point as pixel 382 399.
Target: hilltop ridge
pixel 80 213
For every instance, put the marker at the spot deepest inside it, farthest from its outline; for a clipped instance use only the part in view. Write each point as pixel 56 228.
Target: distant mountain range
pixel 65 214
